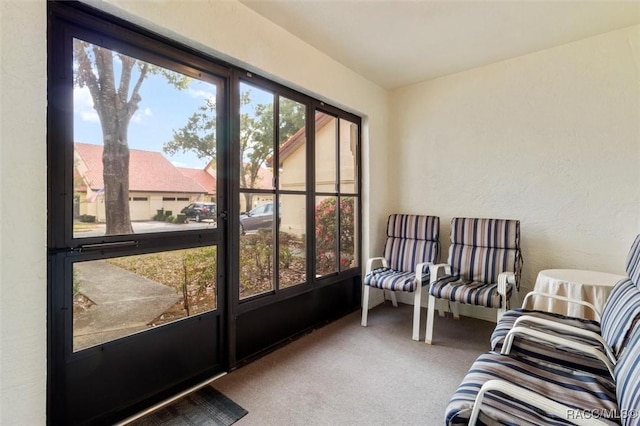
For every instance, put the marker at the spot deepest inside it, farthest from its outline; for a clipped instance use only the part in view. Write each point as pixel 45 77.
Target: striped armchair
pixel 483 267
pixel 412 246
pixel 561 385
pixel 607 337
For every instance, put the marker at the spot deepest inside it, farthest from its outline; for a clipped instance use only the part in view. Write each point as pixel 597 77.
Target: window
pixel 283 148
pixel 337 200
pixel 111 266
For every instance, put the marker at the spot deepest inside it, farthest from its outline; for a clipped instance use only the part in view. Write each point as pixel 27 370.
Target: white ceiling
pixel 396 42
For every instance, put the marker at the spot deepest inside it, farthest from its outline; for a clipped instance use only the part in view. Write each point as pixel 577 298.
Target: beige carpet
pixel 345 374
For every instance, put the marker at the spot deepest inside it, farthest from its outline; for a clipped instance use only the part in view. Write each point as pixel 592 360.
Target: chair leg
pixel 440 309
pixel 394 301
pixel 365 305
pixel 417 302
pixel 455 309
pixel 430 317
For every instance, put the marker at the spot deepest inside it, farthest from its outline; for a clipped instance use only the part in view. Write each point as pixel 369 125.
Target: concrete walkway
pixel 125 303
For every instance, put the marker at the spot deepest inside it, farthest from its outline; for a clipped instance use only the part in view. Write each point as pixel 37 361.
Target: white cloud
pixel 204 94
pixel 91 116
pixel 83 105
pixel 139 116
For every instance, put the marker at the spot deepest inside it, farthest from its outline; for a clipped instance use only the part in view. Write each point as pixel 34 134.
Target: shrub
pixel 326 234
pixel 87 218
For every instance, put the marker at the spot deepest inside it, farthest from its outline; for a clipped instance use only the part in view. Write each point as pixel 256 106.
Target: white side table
pixel 589 286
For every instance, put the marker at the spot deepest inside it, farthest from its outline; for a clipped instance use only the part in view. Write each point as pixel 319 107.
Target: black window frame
pixel 312 105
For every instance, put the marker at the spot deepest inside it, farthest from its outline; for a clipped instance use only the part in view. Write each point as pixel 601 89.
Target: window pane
pixel 256 137
pixel 293 145
pixel 117 297
pixel 138 164
pixel 348 233
pixel 325 152
pixel 257 237
pixel 348 150
pixel 326 235
pixel 292 257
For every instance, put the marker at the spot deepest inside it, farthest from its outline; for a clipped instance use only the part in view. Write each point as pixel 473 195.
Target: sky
pixel 162 109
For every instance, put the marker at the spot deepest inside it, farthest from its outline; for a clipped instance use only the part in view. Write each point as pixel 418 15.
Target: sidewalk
pixel 124 303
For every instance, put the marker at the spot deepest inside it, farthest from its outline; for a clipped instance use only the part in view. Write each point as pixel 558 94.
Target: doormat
pixel 206 406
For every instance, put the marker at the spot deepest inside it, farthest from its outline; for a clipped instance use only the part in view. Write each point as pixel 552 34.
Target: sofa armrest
pixel 555 340
pixel 560 327
pixel 533 294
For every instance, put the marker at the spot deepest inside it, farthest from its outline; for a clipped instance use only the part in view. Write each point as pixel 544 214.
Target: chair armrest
pixel 555 340
pixel 420 268
pixel 434 270
pixel 545 404
pixel 562 298
pixel 505 278
pixel 560 327
pixel 371 261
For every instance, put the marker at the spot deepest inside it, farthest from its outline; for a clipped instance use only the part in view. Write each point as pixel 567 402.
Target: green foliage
pixel 256 262
pixel 327 234
pixel 87 218
pixel 199 274
pixel 198 135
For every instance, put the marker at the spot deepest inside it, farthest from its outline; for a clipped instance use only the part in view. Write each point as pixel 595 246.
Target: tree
pixel 256 134
pixel 96 68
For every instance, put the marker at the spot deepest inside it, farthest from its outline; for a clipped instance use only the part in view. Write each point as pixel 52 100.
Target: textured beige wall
pixel 550 138
pixel 23 308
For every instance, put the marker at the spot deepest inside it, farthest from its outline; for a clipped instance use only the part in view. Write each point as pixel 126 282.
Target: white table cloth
pixel 589 286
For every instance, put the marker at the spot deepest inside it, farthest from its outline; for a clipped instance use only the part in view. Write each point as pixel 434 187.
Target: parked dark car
pixel 259 217
pixel 199 211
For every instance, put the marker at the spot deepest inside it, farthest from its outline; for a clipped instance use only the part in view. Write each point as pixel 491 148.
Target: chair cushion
pixel 620 313
pixel 496 233
pixel 581 390
pixel 390 279
pixel 481 263
pixel 404 255
pixel 411 239
pixel 415 227
pixel 456 289
pixel 632 264
pixel 627 375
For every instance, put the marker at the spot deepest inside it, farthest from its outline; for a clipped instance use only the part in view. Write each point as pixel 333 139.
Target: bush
pixel 87 218
pixel 181 218
pixel 326 234
pixel 170 219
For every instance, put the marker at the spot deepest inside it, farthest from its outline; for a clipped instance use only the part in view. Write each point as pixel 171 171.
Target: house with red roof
pixel 154 183
pixel 292 165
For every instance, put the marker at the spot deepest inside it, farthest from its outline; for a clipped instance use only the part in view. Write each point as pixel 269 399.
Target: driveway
pixel 98 229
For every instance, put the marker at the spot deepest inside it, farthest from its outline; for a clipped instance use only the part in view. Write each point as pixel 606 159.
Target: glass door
pixel 136 223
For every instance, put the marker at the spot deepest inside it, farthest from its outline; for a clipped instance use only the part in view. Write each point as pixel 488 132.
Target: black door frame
pixel 110 381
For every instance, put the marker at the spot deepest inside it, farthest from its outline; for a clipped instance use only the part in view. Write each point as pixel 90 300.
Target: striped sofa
pixel 539 383
pixel 411 247
pixel 483 267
